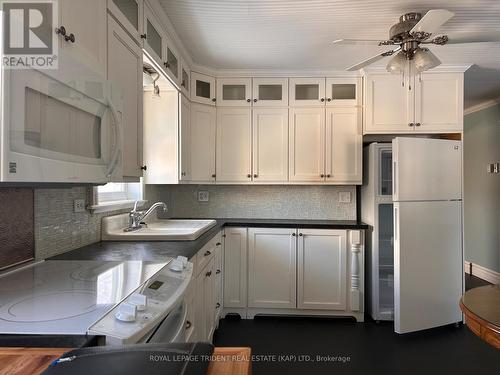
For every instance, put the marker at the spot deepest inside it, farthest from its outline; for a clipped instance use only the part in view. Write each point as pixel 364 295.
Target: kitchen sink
pixel 155 230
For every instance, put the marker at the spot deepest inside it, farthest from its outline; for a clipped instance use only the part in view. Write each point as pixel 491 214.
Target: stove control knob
pixel 126 312
pixel 139 300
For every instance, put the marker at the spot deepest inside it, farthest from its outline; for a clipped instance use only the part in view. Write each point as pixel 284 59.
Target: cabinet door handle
pixel 207 253
pixel 255 100
pixel 61 30
pixel 249 100
pixel 217 272
pixel 144 36
pixel 322 100
pixel 70 38
pixel 300 234
pixel 144 168
pixel 329 99
pixel 217 305
pixel 218 244
pixel 213 176
pixel 167 64
pixel 208 274
pixel 411 124
pixel 321 175
pixel 293 234
pixel 417 124
pixel 328 176
pixel 214 100
pixel 188 324
pixel 249 175
pixel 255 175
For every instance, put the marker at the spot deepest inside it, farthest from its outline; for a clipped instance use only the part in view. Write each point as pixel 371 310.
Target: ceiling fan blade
pixel 361 42
pixel 474 37
pixel 372 59
pixel 432 21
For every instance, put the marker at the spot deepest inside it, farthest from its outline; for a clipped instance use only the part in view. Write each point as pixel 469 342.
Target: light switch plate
pixel 79 205
pixel 345 197
pixel 203 196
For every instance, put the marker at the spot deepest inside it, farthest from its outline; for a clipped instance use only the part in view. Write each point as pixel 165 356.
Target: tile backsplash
pixel 263 201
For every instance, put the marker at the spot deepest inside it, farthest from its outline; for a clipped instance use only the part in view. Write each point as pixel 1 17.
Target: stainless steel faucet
pixel 136 217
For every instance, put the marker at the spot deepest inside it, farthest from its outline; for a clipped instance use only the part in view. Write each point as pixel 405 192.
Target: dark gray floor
pixel 371 348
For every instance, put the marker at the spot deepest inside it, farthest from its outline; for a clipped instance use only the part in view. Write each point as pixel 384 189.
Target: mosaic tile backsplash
pixel 265 202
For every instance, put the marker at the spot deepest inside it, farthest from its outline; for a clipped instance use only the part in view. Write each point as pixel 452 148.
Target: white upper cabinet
pixel 172 63
pixel 185 81
pixel 307 144
pixel 271 267
pixel 344 145
pixel 234 144
pixel 270 144
pixel 386 106
pixel 202 88
pixel 153 36
pixel 83 24
pixel 430 103
pixel 234 92
pixel 307 91
pixel 202 143
pixel 439 102
pixel 270 92
pixel 125 72
pixel 343 91
pixel 322 269
pixel 129 14
pixel 185 137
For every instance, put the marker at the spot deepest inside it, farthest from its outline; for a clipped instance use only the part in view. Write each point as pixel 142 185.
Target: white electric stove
pixel 69 297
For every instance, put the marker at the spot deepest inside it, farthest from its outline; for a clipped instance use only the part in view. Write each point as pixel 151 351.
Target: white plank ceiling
pixel 297 34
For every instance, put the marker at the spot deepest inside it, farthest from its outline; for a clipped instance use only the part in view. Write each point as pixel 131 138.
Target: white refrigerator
pixel 428 256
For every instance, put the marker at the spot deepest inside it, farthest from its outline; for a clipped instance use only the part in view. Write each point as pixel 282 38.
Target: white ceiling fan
pixel 410 35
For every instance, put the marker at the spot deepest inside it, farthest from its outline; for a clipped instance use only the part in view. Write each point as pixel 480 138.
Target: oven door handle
pixel 115 155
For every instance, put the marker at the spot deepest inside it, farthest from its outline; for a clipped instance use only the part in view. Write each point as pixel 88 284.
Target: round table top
pixel 484 302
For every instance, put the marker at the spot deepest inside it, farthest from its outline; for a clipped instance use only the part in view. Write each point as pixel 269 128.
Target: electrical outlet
pixel 79 205
pixel 203 196
pixel 345 197
pixel 496 168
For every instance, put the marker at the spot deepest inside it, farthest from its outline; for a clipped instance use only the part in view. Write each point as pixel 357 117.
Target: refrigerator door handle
pixel 396 225
pixel 394 178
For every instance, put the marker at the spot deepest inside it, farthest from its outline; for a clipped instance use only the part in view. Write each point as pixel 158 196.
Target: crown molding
pixel 481 106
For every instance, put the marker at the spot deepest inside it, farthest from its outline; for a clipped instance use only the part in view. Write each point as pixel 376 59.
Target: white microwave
pixel 60 126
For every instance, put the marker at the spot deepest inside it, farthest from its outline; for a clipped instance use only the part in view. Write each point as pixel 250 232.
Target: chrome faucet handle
pixel 136 203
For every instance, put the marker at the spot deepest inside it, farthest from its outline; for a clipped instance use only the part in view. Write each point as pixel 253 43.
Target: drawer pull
pixel 207 253
pixel 217 305
pixel 218 244
pixel 208 274
pixel 217 272
pixel 188 324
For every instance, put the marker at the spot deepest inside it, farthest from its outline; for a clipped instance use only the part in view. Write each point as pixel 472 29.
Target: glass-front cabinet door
pixel 385 172
pixel 234 92
pixel 185 82
pixel 172 62
pixel 343 91
pixel 129 14
pixel 153 36
pixel 307 91
pixel 270 92
pixel 202 88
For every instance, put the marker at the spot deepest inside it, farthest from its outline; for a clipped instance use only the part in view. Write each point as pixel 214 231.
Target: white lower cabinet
pixel 321 269
pixel 235 267
pixel 294 271
pixel 203 311
pixel 271 267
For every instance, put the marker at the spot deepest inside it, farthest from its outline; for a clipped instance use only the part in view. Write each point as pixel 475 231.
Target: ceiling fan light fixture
pixel 425 60
pixel 397 64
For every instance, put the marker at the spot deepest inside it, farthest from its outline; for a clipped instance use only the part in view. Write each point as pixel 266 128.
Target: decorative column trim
pixel 356 244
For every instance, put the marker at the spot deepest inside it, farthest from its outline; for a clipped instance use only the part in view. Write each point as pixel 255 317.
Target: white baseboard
pixel 482 272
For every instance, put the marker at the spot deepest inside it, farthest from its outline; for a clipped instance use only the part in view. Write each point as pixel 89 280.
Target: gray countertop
pixel 158 250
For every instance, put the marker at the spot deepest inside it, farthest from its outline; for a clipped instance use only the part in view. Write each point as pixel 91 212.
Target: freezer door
pixel 428 264
pixel 426 169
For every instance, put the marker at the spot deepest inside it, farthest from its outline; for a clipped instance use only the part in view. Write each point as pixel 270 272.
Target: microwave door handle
pixel 117 133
